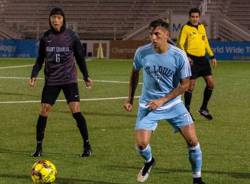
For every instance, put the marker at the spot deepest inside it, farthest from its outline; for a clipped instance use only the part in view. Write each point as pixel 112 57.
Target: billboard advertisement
pixel 18 48
pixel 231 50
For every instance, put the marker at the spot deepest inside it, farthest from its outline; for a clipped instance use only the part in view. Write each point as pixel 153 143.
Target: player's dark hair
pixel 159 22
pixel 194 10
pixel 58 11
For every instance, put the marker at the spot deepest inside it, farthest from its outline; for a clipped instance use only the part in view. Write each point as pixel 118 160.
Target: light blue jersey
pixel 161 73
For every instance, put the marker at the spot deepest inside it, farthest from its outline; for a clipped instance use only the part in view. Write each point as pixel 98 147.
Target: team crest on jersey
pixel 57 49
pixel 192 34
pixel 158 72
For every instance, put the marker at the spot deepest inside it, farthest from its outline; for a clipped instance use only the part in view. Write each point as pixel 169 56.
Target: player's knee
pixel 74 107
pixel 45 109
pixel 210 85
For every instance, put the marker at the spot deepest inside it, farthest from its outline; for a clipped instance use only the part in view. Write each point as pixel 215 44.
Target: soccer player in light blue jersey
pixel 166 72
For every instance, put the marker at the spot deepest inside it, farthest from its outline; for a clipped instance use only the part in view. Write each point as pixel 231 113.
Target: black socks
pixel 207 94
pixel 82 125
pixel 187 99
pixel 40 128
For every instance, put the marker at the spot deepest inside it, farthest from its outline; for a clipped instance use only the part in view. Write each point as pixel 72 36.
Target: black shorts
pixel 50 93
pixel 200 67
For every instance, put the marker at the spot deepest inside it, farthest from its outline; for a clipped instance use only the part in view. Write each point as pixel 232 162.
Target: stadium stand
pixel 96 19
pixel 116 20
pixel 234 20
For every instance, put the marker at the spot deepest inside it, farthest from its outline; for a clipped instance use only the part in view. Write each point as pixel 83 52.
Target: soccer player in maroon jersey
pixel 59 48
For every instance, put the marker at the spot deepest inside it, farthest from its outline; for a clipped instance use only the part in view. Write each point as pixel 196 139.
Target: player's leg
pixel 71 93
pixel 82 126
pixel 145 124
pixel 206 97
pixel 195 69
pixel 195 155
pixel 188 94
pixel 144 149
pixel 182 122
pixel 49 96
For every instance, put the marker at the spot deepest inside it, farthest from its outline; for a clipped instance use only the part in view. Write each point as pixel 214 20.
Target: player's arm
pixel 183 86
pixel 39 63
pixel 133 82
pixel 209 51
pixel 80 60
pixel 182 38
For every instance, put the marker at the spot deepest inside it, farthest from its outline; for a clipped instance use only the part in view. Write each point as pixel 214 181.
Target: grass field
pixel 225 140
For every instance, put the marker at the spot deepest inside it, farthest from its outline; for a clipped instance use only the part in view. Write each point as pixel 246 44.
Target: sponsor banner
pixel 124 49
pixel 18 48
pixel 231 50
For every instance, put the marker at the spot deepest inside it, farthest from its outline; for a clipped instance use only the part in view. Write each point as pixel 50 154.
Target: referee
pixel 193 40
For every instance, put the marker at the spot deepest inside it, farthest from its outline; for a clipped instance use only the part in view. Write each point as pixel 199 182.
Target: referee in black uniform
pixel 193 40
pixel 58 48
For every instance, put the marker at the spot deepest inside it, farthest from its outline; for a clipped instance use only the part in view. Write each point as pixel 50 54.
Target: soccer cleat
pixel 145 170
pixel 87 151
pixel 198 181
pixel 38 152
pixel 206 114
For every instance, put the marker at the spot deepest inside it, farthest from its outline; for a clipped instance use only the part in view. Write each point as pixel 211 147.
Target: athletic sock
pixel 187 99
pixel 40 129
pixel 206 96
pixel 195 158
pixel 146 153
pixel 82 126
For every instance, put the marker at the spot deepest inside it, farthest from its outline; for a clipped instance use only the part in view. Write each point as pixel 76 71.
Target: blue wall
pixel 18 48
pixel 224 50
pixel 231 50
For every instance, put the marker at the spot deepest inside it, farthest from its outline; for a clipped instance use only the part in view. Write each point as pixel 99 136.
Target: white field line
pixel 83 100
pixel 18 66
pixel 101 81
pixel 22 66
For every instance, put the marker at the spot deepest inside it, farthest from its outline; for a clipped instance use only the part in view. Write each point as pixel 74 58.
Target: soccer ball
pixel 43 171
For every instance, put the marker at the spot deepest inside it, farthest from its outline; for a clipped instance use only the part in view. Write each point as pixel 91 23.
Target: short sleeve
pixel 137 60
pixel 185 69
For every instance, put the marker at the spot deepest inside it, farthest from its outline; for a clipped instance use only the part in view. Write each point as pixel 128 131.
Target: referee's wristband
pixel 212 57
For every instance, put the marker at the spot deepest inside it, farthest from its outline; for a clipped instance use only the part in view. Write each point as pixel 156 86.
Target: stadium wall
pixel 123 49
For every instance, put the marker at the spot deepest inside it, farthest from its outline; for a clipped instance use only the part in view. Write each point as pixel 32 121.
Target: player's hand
pixel 128 106
pixel 32 82
pixel 154 104
pixel 88 83
pixel 214 62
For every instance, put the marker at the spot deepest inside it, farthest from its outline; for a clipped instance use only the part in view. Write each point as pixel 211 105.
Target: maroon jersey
pixel 59 50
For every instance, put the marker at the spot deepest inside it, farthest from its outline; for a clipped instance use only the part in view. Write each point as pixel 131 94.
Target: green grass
pixel 225 140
